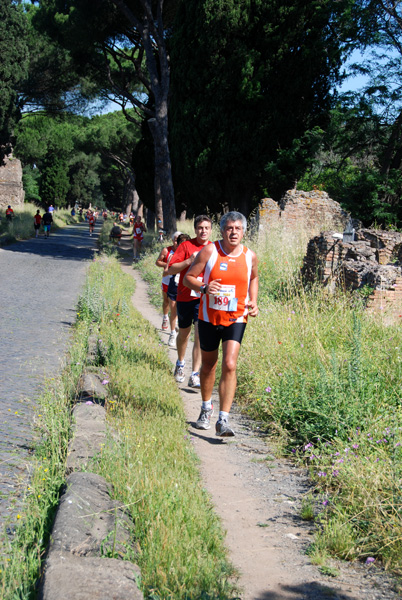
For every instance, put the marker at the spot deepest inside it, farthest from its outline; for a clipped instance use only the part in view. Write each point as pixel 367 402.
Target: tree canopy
pixel 13 64
pixel 248 78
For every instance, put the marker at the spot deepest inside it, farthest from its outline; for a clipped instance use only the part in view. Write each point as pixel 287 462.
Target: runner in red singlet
pixel 228 296
pixel 138 236
pixel 188 301
pixel 167 303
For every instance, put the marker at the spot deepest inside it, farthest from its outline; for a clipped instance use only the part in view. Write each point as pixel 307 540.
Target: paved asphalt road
pixel 40 282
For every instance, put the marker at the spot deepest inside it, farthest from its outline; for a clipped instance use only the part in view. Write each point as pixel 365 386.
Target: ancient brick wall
pixel 374 259
pixel 313 210
pixel 11 190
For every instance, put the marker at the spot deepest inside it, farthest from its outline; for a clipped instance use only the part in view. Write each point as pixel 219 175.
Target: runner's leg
pixel 207 373
pixel 182 341
pixel 228 381
pixel 196 350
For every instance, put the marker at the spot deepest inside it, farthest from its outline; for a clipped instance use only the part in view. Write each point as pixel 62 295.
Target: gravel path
pixel 40 284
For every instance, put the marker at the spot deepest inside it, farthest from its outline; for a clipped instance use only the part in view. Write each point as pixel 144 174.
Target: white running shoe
pixel 204 420
pixel 194 380
pixel 172 339
pixel 179 373
pixel 165 322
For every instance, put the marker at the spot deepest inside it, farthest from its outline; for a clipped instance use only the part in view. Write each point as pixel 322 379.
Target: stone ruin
pixel 315 211
pixel 373 259
pixel 11 190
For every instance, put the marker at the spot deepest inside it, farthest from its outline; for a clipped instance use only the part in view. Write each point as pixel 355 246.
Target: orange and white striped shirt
pixel 229 306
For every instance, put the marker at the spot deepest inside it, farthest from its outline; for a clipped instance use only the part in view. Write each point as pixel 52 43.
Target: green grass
pixel 150 460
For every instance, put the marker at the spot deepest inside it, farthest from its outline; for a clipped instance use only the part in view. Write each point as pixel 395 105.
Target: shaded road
pixel 40 281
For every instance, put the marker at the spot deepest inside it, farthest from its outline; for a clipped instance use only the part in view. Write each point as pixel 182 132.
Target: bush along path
pixel 267 505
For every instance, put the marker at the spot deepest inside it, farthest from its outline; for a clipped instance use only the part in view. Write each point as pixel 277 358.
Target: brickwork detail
pixel 374 259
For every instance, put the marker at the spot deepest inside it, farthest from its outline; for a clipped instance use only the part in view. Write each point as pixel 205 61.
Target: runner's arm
pixel 190 279
pixel 253 289
pixel 182 262
pixel 161 260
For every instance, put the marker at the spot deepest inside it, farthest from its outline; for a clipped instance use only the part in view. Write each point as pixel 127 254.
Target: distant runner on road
pixel 228 295
pixel 138 235
pixel 37 222
pixel 91 221
pixel 47 220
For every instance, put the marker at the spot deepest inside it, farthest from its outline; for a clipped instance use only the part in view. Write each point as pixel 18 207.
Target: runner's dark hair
pixel 200 219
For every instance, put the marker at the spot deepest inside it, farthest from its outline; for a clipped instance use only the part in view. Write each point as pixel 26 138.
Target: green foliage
pixel 13 65
pixel 30 182
pixel 93 154
pixel 257 78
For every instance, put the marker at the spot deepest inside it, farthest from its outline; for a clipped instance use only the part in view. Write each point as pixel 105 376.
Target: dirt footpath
pixel 258 498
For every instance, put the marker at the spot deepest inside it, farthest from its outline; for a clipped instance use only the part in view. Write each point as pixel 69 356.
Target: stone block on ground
pixel 88 521
pixel 92 346
pixel 89 435
pixel 89 578
pixel 91 387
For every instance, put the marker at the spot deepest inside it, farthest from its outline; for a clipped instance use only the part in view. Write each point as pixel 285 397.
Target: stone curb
pixel 88 522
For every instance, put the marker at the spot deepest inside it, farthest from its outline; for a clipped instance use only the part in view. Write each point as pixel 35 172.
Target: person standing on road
pixel 167 304
pixel 47 220
pixel 37 222
pixel 91 221
pixel 138 236
pixel 229 294
pixel 9 213
pixel 188 301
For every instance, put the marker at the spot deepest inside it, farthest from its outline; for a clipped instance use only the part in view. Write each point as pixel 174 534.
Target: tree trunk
pixel 165 208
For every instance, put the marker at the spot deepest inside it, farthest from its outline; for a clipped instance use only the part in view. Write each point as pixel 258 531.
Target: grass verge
pixel 150 460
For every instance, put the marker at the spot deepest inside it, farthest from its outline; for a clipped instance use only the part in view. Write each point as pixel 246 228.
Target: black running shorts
pixel 212 335
pixel 187 313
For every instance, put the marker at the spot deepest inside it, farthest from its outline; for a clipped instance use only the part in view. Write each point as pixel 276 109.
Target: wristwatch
pixel 203 288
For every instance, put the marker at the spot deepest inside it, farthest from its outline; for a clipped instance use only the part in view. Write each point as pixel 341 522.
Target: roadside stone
pixel 88 521
pixel 89 435
pixel 92 347
pixel 89 578
pixel 91 387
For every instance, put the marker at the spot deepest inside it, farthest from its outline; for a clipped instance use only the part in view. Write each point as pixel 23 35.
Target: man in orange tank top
pixel 228 296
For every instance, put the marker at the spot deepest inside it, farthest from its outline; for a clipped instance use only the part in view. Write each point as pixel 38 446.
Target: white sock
pixel 223 416
pixel 180 364
pixel 207 405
